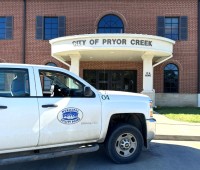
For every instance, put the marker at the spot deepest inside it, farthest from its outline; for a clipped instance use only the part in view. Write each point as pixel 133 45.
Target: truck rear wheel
pixel 124 143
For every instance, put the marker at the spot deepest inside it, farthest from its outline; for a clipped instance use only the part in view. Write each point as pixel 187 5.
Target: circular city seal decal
pixel 70 115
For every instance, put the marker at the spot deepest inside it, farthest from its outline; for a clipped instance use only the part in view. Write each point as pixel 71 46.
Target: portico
pixel 151 50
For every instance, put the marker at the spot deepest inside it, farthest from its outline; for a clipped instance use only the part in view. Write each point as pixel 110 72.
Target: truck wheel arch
pixel 136 119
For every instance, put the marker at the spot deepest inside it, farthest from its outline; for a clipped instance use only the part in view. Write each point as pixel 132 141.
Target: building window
pixel 110 24
pixel 2 28
pixel 175 28
pixel 51 64
pixel 171 78
pixel 50 27
pixel 6 28
pixel 172 28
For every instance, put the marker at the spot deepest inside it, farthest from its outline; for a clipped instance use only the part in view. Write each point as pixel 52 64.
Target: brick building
pixel 129 45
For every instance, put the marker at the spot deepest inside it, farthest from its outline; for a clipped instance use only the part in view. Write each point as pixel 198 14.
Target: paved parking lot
pixel 162 155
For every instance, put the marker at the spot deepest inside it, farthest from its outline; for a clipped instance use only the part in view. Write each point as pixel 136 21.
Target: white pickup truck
pixel 47 112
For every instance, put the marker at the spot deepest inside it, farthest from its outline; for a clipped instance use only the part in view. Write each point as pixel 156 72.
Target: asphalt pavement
pixel 162 155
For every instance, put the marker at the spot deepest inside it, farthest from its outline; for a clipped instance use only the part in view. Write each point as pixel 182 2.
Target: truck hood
pixel 119 95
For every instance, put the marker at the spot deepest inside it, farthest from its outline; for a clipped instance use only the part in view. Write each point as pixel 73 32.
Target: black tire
pixel 124 144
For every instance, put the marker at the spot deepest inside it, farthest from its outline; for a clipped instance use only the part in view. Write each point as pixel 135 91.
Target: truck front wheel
pixel 124 143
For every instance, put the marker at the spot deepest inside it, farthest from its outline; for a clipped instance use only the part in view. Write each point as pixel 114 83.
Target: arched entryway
pixel 148 49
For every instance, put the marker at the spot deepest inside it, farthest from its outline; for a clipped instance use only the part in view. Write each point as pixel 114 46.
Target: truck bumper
pixel 151 129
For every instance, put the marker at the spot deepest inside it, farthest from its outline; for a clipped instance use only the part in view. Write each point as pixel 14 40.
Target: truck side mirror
pixel 87 91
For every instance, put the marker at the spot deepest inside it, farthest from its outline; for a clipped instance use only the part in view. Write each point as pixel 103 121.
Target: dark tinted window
pixel 172 28
pixel 110 24
pixel 50 28
pixel 171 78
pixel 2 27
pixel 119 80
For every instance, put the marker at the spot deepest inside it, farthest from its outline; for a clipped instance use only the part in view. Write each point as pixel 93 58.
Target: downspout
pixel 24 33
pixel 198 33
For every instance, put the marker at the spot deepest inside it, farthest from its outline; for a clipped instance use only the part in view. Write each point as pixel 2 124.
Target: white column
pixel 147 72
pixel 148 76
pixel 75 60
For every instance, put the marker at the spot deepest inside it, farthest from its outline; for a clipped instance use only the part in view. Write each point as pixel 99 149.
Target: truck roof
pixel 24 65
pixel 20 65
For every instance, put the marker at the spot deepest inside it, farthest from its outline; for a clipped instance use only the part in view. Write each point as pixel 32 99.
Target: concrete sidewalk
pixel 167 129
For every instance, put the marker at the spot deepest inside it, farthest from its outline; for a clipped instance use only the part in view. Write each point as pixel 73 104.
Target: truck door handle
pixel 49 105
pixel 3 107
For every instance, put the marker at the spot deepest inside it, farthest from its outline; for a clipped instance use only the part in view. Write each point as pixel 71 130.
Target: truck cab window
pixel 60 85
pixel 14 83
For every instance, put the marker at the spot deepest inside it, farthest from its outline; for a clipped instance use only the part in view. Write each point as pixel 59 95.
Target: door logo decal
pixel 70 115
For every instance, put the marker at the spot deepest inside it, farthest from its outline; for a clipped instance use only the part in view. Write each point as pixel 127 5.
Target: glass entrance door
pixel 102 80
pixel 119 80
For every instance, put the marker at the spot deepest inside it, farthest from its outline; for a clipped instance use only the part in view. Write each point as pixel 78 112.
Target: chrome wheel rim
pixel 126 144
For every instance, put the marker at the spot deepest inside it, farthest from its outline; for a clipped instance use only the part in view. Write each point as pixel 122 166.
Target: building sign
pixel 147 74
pixel 113 42
pixel 64 46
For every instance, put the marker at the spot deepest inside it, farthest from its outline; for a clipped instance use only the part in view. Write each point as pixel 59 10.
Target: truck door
pixel 19 124
pixel 66 115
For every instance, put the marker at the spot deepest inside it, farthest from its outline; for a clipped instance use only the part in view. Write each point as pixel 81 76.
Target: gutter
pixel 24 33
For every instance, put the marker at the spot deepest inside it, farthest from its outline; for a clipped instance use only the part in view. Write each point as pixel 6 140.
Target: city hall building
pixel 148 46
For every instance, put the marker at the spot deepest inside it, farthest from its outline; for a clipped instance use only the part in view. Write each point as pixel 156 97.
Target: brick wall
pixel 82 17
pixel 11 50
